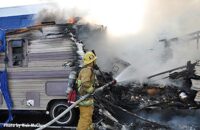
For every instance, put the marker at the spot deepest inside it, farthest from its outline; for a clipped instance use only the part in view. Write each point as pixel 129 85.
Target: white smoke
pixel 163 19
pixel 134 29
pixel 53 12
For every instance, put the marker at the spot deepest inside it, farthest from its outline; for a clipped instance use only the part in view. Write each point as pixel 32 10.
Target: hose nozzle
pixel 113 82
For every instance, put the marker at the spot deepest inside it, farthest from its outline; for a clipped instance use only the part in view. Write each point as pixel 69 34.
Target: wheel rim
pixel 58 109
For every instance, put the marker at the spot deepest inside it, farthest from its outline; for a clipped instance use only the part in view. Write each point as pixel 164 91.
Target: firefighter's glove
pixel 90 89
pixel 96 67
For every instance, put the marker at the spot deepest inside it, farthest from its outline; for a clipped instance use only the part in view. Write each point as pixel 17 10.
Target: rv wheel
pixel 57 108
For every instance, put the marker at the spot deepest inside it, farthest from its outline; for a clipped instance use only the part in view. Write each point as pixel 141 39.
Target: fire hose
pixel 75 104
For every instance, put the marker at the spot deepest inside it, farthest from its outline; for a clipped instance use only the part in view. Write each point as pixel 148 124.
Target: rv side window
pixel 17 53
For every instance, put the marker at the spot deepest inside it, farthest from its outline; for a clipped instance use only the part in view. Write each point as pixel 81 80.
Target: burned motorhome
pixel 37 80
pixel 35 60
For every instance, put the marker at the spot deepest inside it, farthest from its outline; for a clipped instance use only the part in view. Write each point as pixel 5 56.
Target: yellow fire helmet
pixel 89 57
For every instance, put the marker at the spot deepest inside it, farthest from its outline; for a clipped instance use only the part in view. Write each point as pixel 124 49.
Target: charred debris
pixel 179 94
pixel 130 97
pixel 135 99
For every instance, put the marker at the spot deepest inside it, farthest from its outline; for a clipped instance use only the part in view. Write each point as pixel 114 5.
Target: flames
pixel 71 20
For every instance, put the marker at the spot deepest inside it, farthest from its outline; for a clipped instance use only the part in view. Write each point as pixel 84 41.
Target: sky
pixel 11 3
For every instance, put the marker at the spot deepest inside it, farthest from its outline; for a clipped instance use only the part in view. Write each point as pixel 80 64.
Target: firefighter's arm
pixel 88 87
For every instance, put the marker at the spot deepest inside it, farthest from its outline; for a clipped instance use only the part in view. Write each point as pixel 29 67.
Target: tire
pixel 57 108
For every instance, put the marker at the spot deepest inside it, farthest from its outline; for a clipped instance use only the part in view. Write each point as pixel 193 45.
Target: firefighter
pixel 85 83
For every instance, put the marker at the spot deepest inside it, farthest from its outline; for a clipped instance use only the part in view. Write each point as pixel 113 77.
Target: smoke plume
pixel 162 20
pixel 134 28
